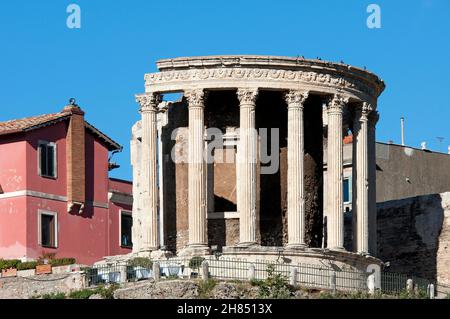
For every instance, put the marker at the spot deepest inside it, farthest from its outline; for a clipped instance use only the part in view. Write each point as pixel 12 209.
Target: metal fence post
pixel 251 272
pixel 430 291
pixel 371 285
pixel 205 270
pixel 333 282
pixel 410 286
pixel 293 277
pixel 123 273
pixel 156 271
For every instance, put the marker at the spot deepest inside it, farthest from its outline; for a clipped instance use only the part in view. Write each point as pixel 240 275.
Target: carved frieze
pixel 322 77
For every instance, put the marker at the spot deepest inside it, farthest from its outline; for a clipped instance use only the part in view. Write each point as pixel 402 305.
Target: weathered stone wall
pixel 223 232
pixel 29 287
pixel 414 236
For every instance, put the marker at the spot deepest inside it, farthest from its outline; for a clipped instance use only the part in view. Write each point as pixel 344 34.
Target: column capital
pixel 337 102
pixel 247 96
pixel 296 98
pixel 363 112
pixel 148 102
pixel 195 97
pixel 374 117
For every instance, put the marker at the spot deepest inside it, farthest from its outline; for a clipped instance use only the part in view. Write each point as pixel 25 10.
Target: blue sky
pixel 43 63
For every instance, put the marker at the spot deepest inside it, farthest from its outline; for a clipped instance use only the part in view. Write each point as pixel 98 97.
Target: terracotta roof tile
pixel 34 122
pixel 28 123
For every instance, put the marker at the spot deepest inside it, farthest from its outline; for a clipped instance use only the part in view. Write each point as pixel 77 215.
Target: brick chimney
pixel 75 159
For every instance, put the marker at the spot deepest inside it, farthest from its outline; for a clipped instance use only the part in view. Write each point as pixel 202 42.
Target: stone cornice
pixel 314 75
pixel 260 61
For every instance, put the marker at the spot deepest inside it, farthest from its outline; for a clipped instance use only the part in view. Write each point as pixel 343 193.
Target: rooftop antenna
pixel 402 124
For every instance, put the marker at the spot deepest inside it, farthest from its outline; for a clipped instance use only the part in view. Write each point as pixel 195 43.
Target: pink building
pixel 55 193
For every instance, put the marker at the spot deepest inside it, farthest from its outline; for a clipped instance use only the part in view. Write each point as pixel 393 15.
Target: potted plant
pixel 26 269
pixel 195 264
pixel 141 267
pixel 9 267
pixel 43 264
pixel 61 265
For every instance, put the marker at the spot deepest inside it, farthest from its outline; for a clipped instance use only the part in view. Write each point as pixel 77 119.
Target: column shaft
pixel 246 166
pixel 295 175
pixel 149 178
pixel 335 205
pixel 196 171
pixel 362 178
pixel 373 247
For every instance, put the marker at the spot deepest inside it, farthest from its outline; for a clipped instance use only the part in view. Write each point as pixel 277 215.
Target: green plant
pixel 7 264
pixel 141 262
pixel 196 262
pixel 205 288
pixel 107 292
pixel 275 286
pixel 46 257
pixel 82 294
pixel 54 295
pixel 62 262
pixel 27 265
pixel 256 282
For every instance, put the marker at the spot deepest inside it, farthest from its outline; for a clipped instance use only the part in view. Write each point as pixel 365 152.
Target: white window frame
pixel 55 157
pixel 55 216
pixel 129 213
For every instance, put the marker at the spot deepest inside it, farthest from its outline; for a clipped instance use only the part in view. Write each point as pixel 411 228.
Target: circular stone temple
pixel 248 161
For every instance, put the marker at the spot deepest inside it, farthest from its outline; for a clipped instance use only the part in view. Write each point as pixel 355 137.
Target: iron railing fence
pixel 393 283
pixel 307 275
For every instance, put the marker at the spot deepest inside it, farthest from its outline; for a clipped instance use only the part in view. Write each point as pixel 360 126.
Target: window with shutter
pixel 47 159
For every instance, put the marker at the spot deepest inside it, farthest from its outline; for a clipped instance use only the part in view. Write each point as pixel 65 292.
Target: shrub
pixel 196 262
pixel 141 262
pixel 45 257
pixel 82 294
pixel 205 288
pixel 6 264
pixel 62 262
pixel 27 265
pixel 54 295
pixel 275 286
pixel 107 292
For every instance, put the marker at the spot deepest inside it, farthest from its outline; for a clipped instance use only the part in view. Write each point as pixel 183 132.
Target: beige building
pixel 242 206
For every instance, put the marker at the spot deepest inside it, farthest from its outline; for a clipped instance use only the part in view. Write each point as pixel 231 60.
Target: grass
pixel 205 288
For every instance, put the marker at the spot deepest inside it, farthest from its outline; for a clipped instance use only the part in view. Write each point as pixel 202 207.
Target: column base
pixel 296 247
pixel 160 254
pixel 339 249
pixel 195 250
pixel 249 244
pixel 146 252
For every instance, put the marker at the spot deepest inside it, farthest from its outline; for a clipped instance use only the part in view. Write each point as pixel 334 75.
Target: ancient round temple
pixel 248 161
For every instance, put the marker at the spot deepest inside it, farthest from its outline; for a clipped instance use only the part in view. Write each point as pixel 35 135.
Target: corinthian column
pixel 373 119
pixel 361 213
pixel 197 178
pixel 335 200
pixel 247 167
pixel 295 175
pixel 149 178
